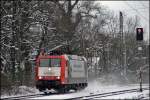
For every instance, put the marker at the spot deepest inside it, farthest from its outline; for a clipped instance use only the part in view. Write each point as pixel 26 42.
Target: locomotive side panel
pixel 77 71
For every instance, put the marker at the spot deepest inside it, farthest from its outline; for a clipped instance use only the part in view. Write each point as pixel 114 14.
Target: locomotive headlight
pixel 40 77
pixel 49 69
pixel 58 77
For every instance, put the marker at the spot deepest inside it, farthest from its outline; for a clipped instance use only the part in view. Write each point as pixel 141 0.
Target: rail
pixel 89 97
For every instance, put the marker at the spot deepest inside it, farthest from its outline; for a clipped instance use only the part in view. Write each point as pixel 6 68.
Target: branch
pixel 59 5
pixel 74 4
pixel 89 16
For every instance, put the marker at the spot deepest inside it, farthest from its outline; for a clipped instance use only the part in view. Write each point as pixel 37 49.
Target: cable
pixel 136 10
pixel 143 5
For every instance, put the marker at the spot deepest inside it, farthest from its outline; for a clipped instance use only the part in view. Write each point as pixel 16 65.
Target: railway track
pixel 98 96
pixel 32 96
pixel 24 96
pixel 92 96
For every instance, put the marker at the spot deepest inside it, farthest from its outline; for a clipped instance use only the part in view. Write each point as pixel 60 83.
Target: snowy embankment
pixel 96 87
pixel 20 91
pixel 135 95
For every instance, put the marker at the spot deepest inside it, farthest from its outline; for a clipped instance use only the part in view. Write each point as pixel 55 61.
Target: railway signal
pixel 139 37
pixel 139 34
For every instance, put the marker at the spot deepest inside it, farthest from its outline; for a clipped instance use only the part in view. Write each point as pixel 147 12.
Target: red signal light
pixel 139 34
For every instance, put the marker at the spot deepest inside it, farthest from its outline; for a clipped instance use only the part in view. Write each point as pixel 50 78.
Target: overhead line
pixel 143 5
pixel 136 10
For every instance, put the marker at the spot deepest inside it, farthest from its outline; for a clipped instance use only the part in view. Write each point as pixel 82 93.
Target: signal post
pixel 139 38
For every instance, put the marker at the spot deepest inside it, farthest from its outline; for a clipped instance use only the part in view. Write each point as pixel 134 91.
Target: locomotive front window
pixel 44 62
pixel 55 62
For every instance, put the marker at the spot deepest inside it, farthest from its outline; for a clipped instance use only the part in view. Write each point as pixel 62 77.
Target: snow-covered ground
pixel 95 88
pixel 19 91
pixel 135 95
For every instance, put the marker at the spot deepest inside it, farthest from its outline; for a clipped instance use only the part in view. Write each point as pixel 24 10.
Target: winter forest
pixel 91 29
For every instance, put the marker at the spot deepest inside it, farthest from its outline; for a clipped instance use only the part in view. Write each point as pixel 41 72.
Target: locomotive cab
pixel 48 68
pixel 48 72
pixel 61 72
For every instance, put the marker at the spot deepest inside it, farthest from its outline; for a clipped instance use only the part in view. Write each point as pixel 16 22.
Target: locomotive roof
pixel 75 57
pixel 67 56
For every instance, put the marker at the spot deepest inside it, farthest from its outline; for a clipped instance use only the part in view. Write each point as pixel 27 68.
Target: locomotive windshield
pixel 53 62
pixel 44 62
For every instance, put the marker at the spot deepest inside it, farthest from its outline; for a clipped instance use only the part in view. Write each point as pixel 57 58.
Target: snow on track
pixel 95 88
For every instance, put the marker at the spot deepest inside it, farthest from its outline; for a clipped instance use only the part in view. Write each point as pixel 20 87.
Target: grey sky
pixel 132 8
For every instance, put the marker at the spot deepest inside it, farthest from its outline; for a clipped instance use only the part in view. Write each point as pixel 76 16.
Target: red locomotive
pixel 61 72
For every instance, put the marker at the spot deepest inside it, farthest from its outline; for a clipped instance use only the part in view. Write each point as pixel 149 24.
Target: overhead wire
pixel 135 10
pixel 146 7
